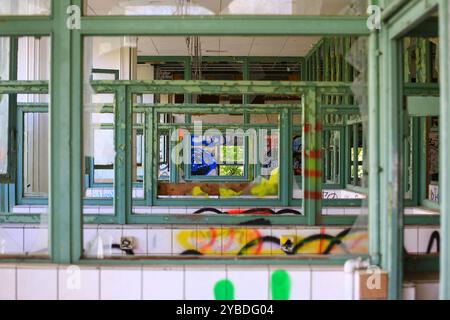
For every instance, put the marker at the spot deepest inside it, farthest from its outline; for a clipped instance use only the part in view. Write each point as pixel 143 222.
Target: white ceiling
pixel 228 46
pixel 223 7
pixel 225 46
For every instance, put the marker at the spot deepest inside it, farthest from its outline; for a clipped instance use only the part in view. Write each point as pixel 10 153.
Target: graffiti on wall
pixel 254 211
pixel 259 241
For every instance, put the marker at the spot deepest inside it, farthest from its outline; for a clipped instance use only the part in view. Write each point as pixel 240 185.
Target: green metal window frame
pixel 11 161
pixel 249 170
pixel 66 222
pixel 400 18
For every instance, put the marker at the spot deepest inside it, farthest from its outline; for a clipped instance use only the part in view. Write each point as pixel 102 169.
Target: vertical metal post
pixel 444 178
pixel 374 148
pixel 76 145
pixel 391 146
pixel 285 152
pixel 9 190
pixel 60 191
pixel 151 151
pixel 122 166
pixel 188 76
pixel 312 157
pixel 326 162
pixel 355 153
pixel 245 77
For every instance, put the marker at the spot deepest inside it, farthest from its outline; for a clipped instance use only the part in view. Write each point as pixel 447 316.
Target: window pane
pixel 4 106
pixel 99 150
pixel 138 156
pixel 227 7
pixel 25 7
pixel 28 200
pixel 331 148
pixel 236 159
pixel 36 51
pixel 103 155
pixel 217 156
pixel 35 154
pixel 4 133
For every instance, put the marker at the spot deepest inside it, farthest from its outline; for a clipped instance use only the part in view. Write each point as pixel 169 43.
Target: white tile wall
pixel 21 209
pixel 200 282
pixel 409 291
pixel 37 283
pixel 328 285
pixel 11 240
pixel 142 210
pixel 90 244
pixel 75 283
pixel 163 284
pixel 411 235
pixel 120 283
pixel 250 283
pixel 427 291
pixel 163 241
pixel 36 240
pixel 52 282
pixel 159 242
pixel 110 235
pixel 109 210
pixel 8 282
pixel 38 209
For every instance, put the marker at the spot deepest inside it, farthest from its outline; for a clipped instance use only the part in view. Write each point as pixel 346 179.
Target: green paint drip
pixel 224 290
pixel 280 285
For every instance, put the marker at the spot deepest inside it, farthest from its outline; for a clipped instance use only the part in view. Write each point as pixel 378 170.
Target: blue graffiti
pixel 204 161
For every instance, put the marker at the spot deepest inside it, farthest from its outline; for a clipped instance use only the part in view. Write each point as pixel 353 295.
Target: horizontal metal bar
pixel 337 220
pixel 26 218
pixel 223 87
pixel 24 87
pixel 25 260
pixel 235 59
pixel 328 260
pixel 340 109
pixel 32 105
pixel 410 220
pixel 216 108
pixel 225 25
pixel 25 26
pixel 422 263
pixel 421 89
pixel 430 220
pixel 205 126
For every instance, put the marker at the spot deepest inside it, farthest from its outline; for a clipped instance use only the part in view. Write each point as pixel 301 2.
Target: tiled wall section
pixel 212 241
pixel 173 241
pixel 180 283
pixel 155 283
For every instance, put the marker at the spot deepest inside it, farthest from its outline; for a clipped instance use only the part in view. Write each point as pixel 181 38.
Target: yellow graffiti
pixel 253 241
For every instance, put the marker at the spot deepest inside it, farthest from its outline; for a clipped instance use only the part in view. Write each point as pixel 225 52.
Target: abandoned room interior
pixel 224 149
